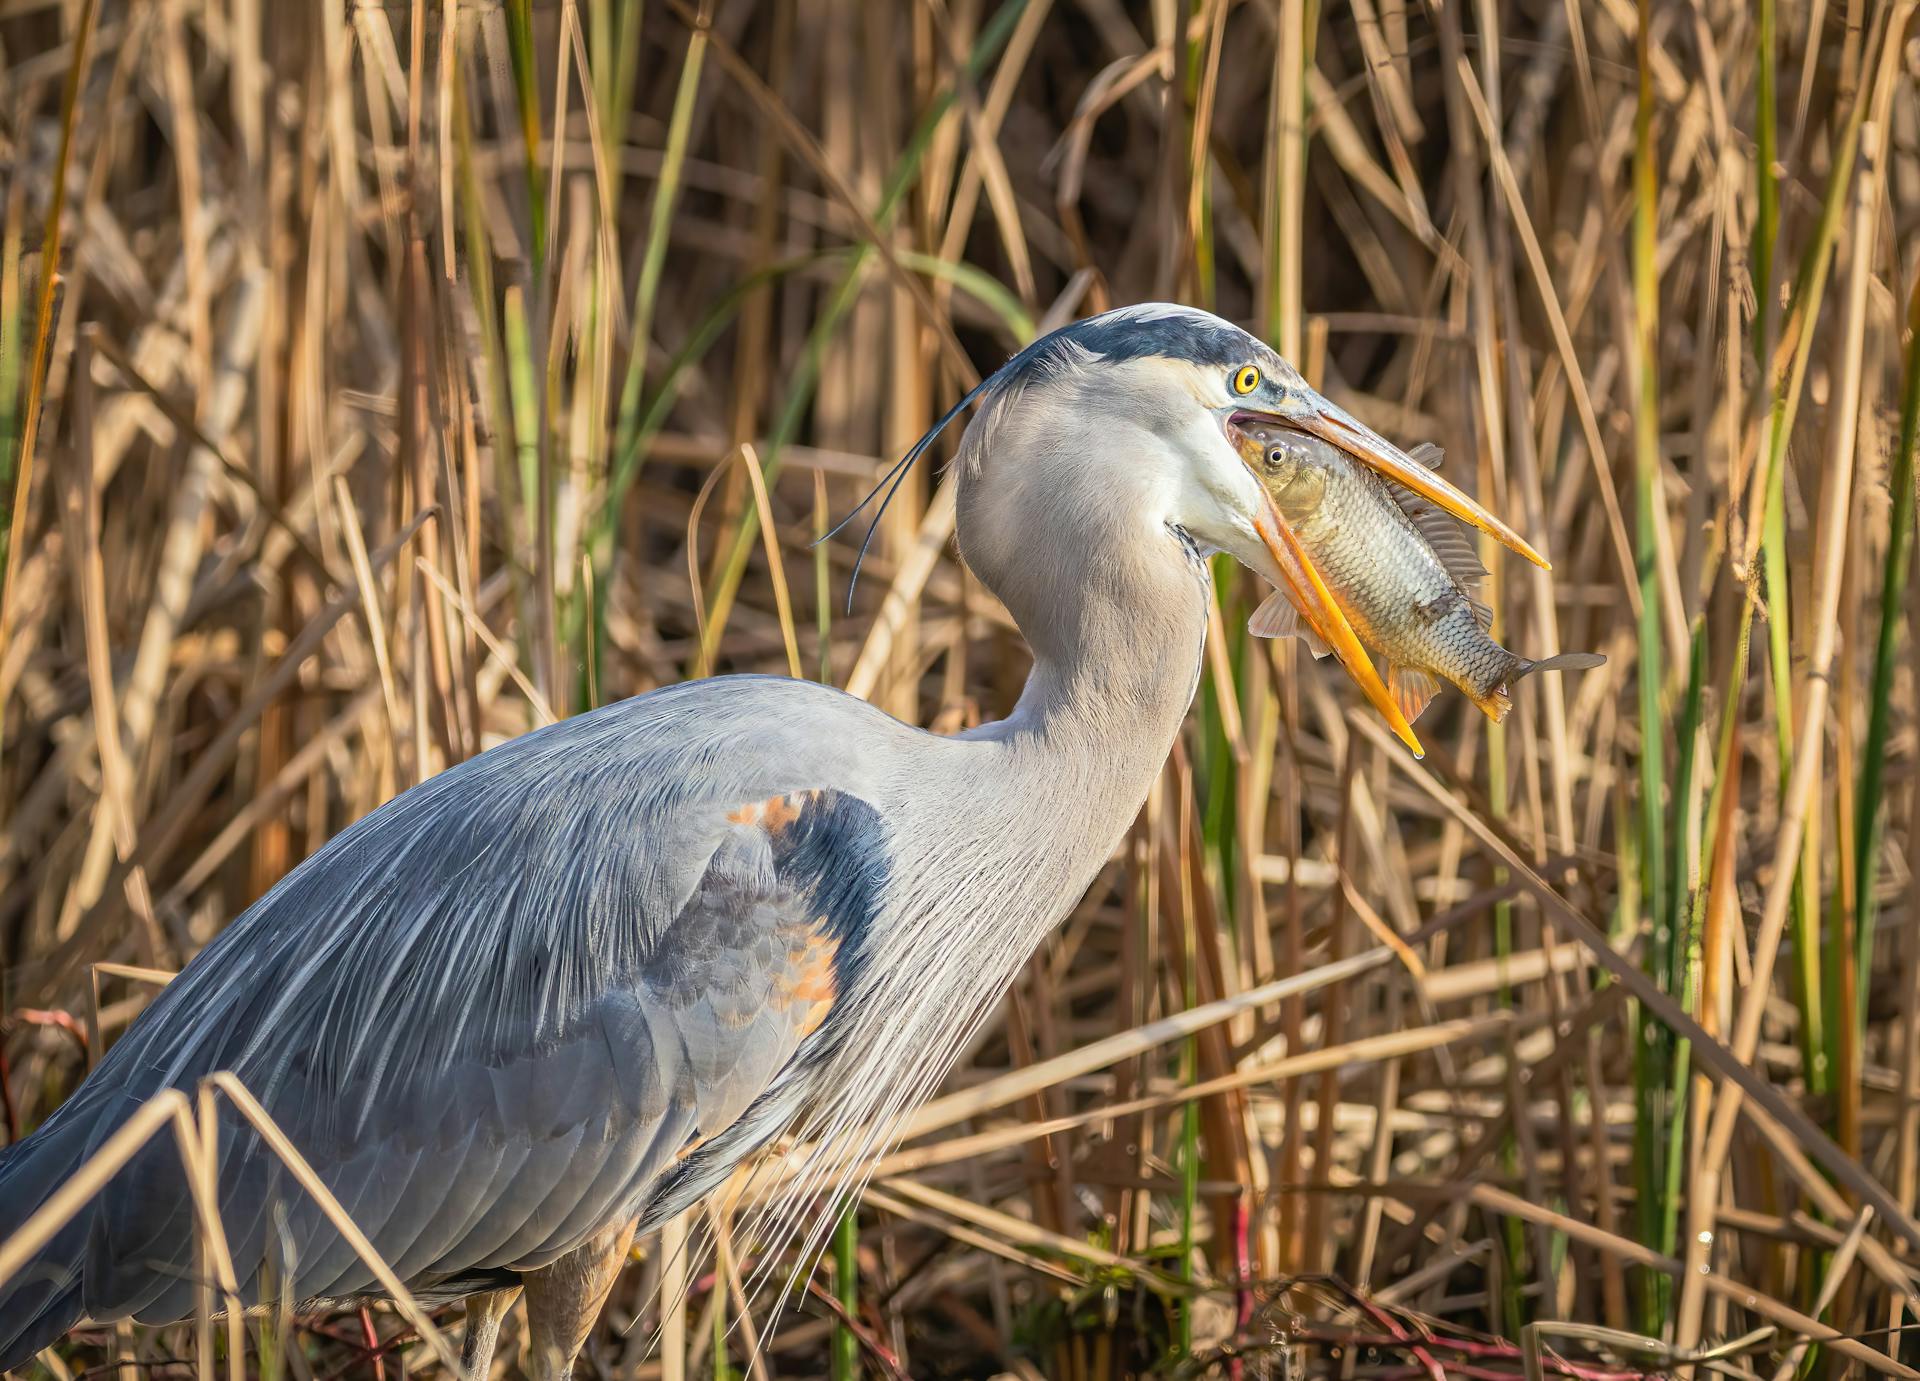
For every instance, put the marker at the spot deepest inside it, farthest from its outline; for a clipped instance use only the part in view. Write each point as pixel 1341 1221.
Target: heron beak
pixel 1340 428
pixel 1324 615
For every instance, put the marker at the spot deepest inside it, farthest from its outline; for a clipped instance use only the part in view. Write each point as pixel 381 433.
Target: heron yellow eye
pixel 1246 379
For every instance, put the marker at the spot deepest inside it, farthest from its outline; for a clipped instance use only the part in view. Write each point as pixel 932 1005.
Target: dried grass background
pixel 636 297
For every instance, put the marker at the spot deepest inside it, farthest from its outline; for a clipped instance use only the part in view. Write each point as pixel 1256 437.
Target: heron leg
pixel 564 1299
pixel 485 1313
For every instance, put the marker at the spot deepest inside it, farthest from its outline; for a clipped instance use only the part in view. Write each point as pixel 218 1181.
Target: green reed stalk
pixel 1773 525
pixel 13 516
pixel 846 1289
pixel 1202 202
pixel 1893 586
pixel 1809 290
pixel 9 373
pixel 1804 916
pixel 615 44
pixel 1766 228
pixel 822 580
pixel 523 393
pixel 614 41
pixel 1189 1140
pixel 722 1366
pixel 495 388
pixel 1683 976
pixel 526 92
pixel 629 415
pixel 659 226
pixel 1653 1053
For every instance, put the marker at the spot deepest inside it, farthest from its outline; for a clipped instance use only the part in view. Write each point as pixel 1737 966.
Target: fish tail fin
pixel 1497 702
pixel 1558 663
pixel 1564 661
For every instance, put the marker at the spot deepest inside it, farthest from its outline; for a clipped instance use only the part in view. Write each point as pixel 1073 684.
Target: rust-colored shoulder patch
pixel 829 851
pixel 809 981
pixel 775 813
pixel 779 812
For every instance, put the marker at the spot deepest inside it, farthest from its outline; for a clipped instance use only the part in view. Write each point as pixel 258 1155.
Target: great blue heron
pixel 561 990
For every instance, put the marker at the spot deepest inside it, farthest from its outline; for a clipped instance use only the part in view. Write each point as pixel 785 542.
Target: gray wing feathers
pixel 718 990
pixel 495 1013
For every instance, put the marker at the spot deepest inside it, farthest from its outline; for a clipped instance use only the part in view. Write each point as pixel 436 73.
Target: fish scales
pixel 1402 600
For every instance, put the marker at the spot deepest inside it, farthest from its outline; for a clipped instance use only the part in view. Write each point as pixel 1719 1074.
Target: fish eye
pixel 1246 379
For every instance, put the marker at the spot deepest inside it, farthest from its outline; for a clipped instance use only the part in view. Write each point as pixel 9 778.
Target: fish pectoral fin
pixel 1427 454
pixel 1277 618
pixel 1412 689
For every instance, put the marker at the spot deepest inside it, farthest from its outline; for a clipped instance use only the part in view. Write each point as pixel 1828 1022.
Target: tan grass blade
pixel 249 1107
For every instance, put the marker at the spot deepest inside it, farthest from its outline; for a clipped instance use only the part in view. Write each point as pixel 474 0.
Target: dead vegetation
pixel 399 354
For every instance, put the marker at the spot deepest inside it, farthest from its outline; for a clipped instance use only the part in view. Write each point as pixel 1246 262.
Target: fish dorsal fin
pixel 1412 689
pixel 1445 535
pixel 1277 618
pixel 1482 615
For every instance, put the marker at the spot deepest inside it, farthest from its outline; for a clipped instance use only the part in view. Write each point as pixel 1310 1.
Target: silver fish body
pixel 1403 571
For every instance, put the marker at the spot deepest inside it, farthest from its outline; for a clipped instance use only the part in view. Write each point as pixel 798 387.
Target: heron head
pixel 1123 432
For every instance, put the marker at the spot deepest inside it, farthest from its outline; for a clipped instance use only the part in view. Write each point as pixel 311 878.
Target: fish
pixel 1404 571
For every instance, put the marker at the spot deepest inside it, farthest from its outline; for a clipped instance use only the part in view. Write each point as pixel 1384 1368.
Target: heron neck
pixel 1116 662
pixel 999 831
pixel 1004 828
